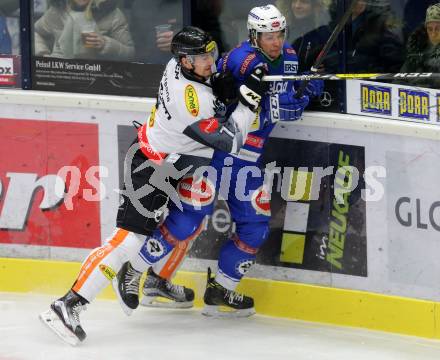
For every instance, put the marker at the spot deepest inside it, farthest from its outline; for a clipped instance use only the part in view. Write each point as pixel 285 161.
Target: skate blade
pixel 160 302
pixel 127 310
pixel 217 311
pixel 54 323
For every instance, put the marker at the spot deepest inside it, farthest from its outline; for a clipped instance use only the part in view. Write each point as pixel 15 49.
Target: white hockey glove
pixel 253 89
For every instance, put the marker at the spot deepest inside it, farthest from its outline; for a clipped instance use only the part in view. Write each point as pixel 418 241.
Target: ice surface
pixel 162 334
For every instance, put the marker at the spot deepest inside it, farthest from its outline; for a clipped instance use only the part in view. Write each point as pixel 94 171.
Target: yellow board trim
pixel 273 298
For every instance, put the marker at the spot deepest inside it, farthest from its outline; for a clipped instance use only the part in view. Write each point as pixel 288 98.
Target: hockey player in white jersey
pixel 266 45
pixel 185 126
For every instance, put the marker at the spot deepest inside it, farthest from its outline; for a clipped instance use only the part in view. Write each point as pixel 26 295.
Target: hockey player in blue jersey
pixel 248 201
pixel 266 46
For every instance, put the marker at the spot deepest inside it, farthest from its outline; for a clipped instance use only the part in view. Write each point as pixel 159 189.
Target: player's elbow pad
pixel 212 132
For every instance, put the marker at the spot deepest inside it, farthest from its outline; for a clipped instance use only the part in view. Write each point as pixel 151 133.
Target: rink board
pixel 384 276
pixel 273 298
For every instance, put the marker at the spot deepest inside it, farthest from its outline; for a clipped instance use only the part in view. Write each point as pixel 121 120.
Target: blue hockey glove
pixel 314 88
pixel 285 107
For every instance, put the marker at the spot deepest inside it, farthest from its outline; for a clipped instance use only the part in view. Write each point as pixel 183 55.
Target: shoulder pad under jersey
pixel 240 61
pixel 289 52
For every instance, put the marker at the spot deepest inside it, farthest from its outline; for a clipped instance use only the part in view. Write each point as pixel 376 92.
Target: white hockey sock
pixel 139 263
pixel 226 281
pixel 103 263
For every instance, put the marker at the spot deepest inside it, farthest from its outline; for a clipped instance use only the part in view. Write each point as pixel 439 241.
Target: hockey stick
pixel 377 76
pixel 331 40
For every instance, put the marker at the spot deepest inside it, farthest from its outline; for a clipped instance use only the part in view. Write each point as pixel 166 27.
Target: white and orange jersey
pixel 189 119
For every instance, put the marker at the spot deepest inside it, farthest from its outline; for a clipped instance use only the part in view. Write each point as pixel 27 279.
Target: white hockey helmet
pixel 264 19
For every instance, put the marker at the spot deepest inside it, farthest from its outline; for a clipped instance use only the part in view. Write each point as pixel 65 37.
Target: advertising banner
pixel 337 184
pixel 10 71
pixel 314 225
pixel 314 234
pixel 49 184
pixel 413 213
pixel 393 101
pixel 96 77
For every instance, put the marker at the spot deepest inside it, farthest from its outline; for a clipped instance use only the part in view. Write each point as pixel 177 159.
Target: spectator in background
pixel 7 8
pixel 88 29
pixel 205 15
pixel 414 15
pixel 376 40
pixel 153 25
pixel 308 28
pixel 423 48
pixel 303 16
pixel 233 20
pixel 308 31
pixel 5 38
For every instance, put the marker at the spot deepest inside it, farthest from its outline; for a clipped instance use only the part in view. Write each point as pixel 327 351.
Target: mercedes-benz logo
pixel 325 99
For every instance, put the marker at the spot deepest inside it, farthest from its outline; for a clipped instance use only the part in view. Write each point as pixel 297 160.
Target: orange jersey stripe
pixel 96 256
pixel 179 252
pixel 174 260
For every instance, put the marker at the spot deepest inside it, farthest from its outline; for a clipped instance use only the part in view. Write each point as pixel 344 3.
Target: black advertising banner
pixel 322 234
pixel 316 224
pixel 327 233
pixel 96 77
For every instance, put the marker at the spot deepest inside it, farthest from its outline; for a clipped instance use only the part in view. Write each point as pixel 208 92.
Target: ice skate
pixel 159 292
pixel 63 318
pixel 126 287
pixel 221 302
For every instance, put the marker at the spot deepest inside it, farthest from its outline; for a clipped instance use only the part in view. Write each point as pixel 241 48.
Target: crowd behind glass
pixel 384 36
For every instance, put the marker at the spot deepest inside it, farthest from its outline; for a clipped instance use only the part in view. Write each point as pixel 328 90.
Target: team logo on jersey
pixel 154 247
pixel 209 126
pixel 254 141
pixel 277 87
pixel 246 63
pixel 290 67
pixel 152 116
pixel 243 267
pixel 191 100
pixel 261 201
pixel 196 192
pixel 108 272
pixel 256 123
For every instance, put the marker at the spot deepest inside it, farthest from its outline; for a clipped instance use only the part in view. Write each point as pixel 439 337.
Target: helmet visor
pixel 211 50
pixel 273 36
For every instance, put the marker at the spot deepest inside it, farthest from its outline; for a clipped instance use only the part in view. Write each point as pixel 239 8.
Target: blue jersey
pixel 241 61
